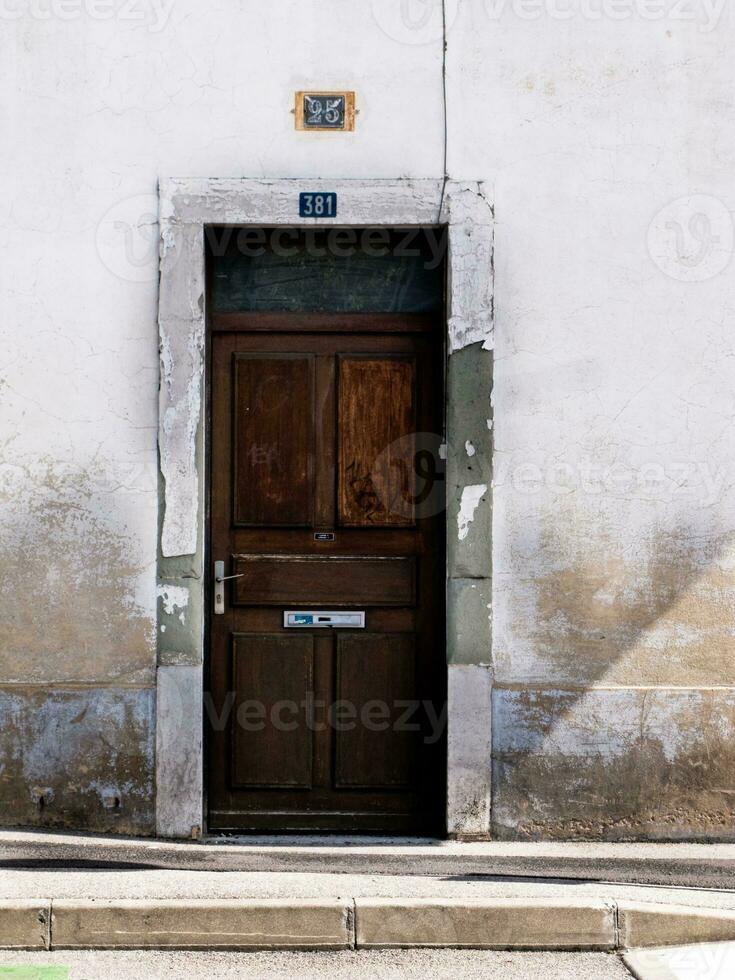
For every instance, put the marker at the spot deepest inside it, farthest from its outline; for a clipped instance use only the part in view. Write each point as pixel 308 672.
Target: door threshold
pixel 320 840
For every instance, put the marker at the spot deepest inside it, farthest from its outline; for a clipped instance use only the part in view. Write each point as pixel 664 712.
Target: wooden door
pixel 321 468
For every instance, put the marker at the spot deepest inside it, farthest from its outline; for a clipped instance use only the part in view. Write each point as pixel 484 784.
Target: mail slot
pixel 315 619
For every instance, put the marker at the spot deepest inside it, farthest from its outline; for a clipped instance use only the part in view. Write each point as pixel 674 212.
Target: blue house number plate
pixel 317 205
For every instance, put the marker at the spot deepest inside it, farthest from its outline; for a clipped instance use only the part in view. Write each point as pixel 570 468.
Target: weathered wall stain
pixel 603 742
pixel 77 652
pixel 69 588
pixel 77 758
pixel 664 614
pixel 615 765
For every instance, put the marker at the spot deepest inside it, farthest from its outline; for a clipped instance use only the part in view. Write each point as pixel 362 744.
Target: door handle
pixel 219 590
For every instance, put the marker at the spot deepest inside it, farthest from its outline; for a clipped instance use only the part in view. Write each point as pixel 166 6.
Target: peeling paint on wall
pixel 175 599
pixel 471 498
pixel 471 244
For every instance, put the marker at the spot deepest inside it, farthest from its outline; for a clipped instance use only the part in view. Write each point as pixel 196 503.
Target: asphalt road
pixel 410 964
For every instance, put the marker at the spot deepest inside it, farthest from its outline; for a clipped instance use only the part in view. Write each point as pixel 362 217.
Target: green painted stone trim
pixel 469 461
pixel 469 505
pixel 469 619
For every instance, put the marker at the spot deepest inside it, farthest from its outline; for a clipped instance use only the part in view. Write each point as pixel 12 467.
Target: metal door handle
pixel 219 592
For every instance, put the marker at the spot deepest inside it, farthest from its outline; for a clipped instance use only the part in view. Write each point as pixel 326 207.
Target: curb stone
pixel 201 924
pixel 666 925
pixel 505 924
pixel 25 924
pixel 530 924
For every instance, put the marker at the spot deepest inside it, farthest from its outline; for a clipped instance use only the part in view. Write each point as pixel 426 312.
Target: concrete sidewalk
pixel 158 909
pixel 688 865
pixel 394 964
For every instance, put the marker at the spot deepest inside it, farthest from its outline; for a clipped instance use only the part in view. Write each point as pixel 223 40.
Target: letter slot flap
pixel 316 619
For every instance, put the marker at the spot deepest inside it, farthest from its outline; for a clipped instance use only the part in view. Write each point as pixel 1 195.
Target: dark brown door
pixel 327 497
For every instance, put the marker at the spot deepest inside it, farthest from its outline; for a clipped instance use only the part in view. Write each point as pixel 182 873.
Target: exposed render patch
pixel 471 267
pixel 471 497
pixel 175 599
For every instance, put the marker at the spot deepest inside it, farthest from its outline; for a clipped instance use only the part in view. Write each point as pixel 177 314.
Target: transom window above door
pixel 327 270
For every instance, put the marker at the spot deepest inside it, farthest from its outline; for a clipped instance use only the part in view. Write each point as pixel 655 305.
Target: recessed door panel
pixel 273 439
pixel 376 741
pixel 272 680
pixel 275 580
pixel 376 441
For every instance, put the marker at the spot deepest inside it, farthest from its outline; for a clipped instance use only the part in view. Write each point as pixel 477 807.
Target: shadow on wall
pixel 622 732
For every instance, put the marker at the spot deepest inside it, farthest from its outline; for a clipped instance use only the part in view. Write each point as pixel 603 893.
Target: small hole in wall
pixel 41 796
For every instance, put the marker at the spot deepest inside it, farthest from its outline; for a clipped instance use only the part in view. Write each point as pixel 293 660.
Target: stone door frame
pixel 186 207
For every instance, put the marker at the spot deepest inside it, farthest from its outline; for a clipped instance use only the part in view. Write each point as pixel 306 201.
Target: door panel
pixel 376 426
pixel 275 580
pixel 297 421
pixel 271 740
pixel 273 439
pixel 376 678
